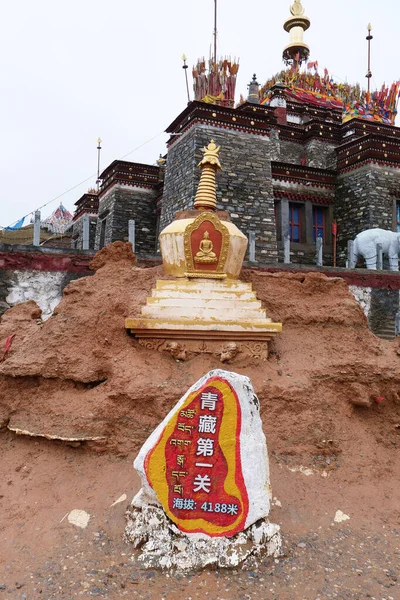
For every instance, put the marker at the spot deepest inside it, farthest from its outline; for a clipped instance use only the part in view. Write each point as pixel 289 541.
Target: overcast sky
pixel 75 70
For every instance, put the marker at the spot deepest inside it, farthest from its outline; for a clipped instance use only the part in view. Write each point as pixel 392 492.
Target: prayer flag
pixel 17 225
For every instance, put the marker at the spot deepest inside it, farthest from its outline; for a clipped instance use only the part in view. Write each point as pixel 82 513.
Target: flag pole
pixel 98 162
pixel 185 67
pixel 369 74
pixel 215 32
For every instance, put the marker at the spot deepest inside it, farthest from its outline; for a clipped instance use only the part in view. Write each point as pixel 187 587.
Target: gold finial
pixel 211 155
pixel 296 52
pixel 296 9
pixel 369 27
pixel 161 160
pixel 99 140
pixel 206 197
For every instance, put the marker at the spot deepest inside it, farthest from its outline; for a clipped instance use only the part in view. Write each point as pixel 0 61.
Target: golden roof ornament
pixel 206 197
pixel 296 52
pixel 210 155
pixel 297 9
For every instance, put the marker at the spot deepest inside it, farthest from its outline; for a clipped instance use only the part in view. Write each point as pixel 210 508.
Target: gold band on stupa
pixel 206 197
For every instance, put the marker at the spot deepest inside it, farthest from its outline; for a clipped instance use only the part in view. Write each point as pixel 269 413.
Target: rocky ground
pixel 331 411
pixel 44 556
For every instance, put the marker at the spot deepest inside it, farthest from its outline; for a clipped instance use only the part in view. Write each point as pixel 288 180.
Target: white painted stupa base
pixel 163 546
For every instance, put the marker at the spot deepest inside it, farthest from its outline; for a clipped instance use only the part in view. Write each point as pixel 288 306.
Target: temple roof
pixel 311 88
pixel 130 173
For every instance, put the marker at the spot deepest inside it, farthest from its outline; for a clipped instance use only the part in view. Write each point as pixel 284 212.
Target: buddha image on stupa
pixel 205 253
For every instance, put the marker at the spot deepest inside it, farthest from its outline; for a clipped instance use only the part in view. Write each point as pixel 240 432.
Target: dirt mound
pixel 331 411
pixel 307 298
pixel 80 376
pixel 117 252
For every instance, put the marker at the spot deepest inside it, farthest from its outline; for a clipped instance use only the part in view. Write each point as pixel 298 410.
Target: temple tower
pixel 87 208
pixel 367 180
pixel 129 191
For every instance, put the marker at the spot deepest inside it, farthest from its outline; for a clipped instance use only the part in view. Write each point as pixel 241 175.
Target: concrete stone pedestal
pixel 163 546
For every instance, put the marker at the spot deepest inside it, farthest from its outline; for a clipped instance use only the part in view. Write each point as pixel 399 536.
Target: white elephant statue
pixel 365 244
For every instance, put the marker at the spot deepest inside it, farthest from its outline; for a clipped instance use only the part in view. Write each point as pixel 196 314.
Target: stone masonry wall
pixel 122 203
pixel 179 180
pixel 380 307
pixel 383 309
pixel 244 187
pixel 320 155
pixel 363 201
pixel 77 230
pixel 290 152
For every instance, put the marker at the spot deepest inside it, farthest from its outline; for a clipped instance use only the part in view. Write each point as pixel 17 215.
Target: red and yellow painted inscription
pixel 195 467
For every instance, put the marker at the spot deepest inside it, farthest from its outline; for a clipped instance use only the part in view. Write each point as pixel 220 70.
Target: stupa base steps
pixel 186 318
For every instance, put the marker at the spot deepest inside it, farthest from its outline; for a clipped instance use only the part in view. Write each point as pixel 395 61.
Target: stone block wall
pixel 320 155
pixel 317 154
pixel 179 180
pixel 244 187
pixel 77 232
pixel 290 152
pixel 383 308
pixel 363 200
pixel 380 305
pixel 117 206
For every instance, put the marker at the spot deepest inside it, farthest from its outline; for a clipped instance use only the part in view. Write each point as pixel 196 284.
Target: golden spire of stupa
pixel 296 52
pixel 206 197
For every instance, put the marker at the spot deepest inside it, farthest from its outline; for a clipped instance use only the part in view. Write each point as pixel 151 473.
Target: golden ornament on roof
pixel 211 155
pixel 297 9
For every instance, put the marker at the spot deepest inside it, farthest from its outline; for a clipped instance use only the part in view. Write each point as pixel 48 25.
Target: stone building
pixel 299 154
pixel 87 209
pixel 129 191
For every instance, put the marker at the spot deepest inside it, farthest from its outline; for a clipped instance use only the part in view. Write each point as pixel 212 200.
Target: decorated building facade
pixel 303 157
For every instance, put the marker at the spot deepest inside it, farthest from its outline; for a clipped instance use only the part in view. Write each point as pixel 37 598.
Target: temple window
pixel 318 223
pixel 295 222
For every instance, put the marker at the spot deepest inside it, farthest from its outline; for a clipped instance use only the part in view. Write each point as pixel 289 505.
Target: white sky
pixel 72 71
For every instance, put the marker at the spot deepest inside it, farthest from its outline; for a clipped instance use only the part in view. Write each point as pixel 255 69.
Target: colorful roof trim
pixel 312 88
